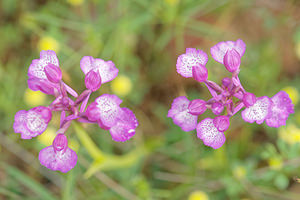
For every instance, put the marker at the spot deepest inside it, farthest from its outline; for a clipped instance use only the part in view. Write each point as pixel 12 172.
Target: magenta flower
pixel 125 126
pixel 180 114
pixel 45 75
pixel 209 134
pixel 104 110
pixel 106 69
pixel 230 97
pixel 33 122
pixel 192 57
pixel 281 109
pixel 219 51
pixel 58 156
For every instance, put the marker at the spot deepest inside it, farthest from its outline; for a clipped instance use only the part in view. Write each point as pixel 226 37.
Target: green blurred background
pixel 143 38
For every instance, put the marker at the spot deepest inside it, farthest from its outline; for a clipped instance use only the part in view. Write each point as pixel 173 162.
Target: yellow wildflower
pixel 293 93
pixel 275 163
pixel 290 134
pixel 75 2
pixel 73 144
pixel 198 195
pixel 34 98
pixel 121 85
pixel 48 43
pixel 239 172
pixel 47 137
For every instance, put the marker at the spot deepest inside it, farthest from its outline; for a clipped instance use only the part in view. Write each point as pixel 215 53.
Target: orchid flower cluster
pixel 45 75
pixel 227 99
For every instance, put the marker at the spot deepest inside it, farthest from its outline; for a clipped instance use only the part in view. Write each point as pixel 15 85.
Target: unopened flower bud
pixel 60 143
pixel 217 108
pixel 197 107
pixel 92 80
pixel 226 81
pixel 249 99
pixel 200 73
pixel 221 123
pixel 232 60
pixel 53 73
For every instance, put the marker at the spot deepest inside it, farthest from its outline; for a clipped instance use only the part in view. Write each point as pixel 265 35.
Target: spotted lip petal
pixel 260 111
pixel 105 109
pixel 192 57
pixel 62 161
pixel 106 69
pixel 219 50
pixel 209 134
pixel 37 77
pixel 33 122
pixel 281 109
pixel 180 114
pixel 125 126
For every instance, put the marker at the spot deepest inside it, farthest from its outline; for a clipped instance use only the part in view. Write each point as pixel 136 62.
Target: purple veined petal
pixel 43 85
pixel 85 120
pixel 84 102
pixel 200 73
pixel 106 69
pixel 226 82
pixel 238 108
pixel 93 112
pixel 125 127
pixel 232 61
pixel 217 108
pixel 219 50
pixel 209 134
pixel 260 111
pixel 82 96
pixel 192 57
pixel 105 108
pixel 214 86
pixel 53 73
pixel 59 160
pixel 92 80
pixel 180 114
pixel 36 68
pixel 62 117
pixel 211 90
pixel 60 143
pixel 281 109
pixel 222 123
pixel 70 90
pixel 71 117
pixel 249 99
pixel 197 107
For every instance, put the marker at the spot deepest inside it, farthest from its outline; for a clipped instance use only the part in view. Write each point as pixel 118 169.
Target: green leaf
pixel 30 183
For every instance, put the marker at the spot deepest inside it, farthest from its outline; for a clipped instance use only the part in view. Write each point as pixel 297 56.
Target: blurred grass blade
pixel 69 189
pixel 116 162
pixel 88 143
pixel 29 183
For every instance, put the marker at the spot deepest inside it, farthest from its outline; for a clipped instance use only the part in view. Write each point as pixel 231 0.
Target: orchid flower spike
pixel 230 97
pixel 44 74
